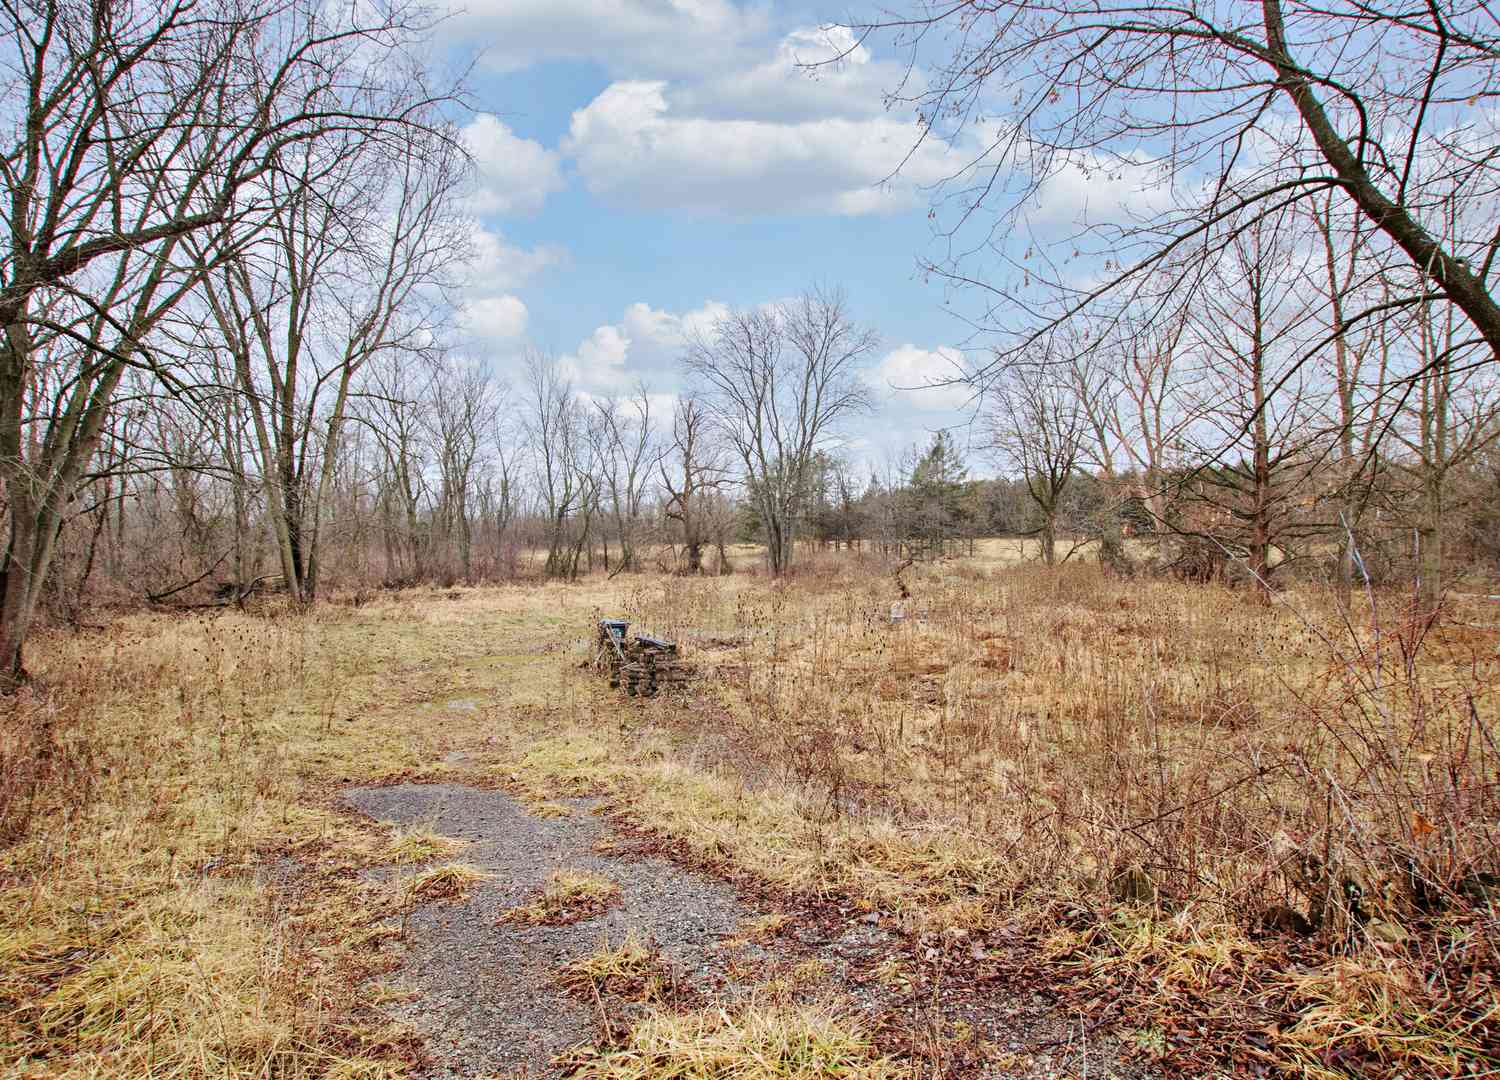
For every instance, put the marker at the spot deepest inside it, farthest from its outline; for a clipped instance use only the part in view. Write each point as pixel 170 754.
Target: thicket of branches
pixel 1278 291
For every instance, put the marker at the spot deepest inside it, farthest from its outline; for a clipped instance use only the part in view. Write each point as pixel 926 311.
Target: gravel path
pixel 487 996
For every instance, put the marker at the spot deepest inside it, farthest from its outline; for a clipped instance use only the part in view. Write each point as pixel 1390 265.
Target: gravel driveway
pixel 485 994
pixel 488 1001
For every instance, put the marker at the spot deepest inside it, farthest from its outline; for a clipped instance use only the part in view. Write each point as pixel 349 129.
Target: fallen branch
pixel 157 598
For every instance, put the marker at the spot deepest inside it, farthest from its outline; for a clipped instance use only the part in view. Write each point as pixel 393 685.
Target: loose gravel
pixel 485 994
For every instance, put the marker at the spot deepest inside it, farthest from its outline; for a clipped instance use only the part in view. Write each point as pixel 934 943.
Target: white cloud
pixel 645 345
pixel 663 332
pixel 598 364
pixel 812 73
pixel 676 37
pixel 515 175
pixel 1096 192
pixel 922 378
pixel 632 147
pixel 495 318
pixel 499 266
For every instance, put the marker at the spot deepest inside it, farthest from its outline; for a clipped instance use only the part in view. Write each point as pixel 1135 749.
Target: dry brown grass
pixel 1131 776
pixel 195 764
pixel 767 1043
pixel 631 970
pixel 1186 773
pixel 420 844
pixel 568 897
pixel 450 881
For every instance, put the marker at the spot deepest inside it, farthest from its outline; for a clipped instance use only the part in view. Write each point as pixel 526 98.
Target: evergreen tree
pixel 938 483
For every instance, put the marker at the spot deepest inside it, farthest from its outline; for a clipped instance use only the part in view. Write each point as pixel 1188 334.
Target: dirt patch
pixel 487 995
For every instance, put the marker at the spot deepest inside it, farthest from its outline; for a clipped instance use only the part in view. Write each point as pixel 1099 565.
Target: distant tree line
pixel 229 358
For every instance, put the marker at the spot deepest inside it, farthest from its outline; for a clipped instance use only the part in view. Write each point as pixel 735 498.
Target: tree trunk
pixel 18 601
pixel 1434 476
pixel 1260 526
pixel 325 481
pixel 277 497
pixel 1430 536
pixel 39 490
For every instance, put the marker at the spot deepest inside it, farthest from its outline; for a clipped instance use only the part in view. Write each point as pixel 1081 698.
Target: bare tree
pixel 343 276
pixel 1358 392
pixel 1255 433
pixel 1242 109
pixel 779 381
pixel 132 127
pixel 1099 391
pixel 501 490
pixel 1148 418
pixel 395 395
pixel 629 454
pixel 1443 426
pixel 1039 428
pixel 692 470
pixel 465 407
pixel 559 440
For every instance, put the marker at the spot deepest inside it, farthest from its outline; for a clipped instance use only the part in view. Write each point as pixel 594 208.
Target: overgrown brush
pixel 1271 833
pixel 1281 781
pixel 46 761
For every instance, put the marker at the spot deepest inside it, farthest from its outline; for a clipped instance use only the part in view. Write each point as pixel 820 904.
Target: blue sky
pixel 644 163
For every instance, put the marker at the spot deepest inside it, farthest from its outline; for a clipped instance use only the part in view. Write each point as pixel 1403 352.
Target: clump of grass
pixel 450 881
pixel 569 896
pixel 893 971
pixel 632 970
pixel 763 928
pixel 757 1043
pixel 381 992
pixel 420 844
pixel 613 844
pixel 796 981
pixel 1360 1002
pixel 42 768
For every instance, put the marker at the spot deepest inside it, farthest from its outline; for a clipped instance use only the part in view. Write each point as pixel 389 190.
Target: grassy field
pixel 1244 838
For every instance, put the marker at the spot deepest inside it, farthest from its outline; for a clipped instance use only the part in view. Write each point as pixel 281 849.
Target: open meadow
pixel 731 540
pixel 1228 837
